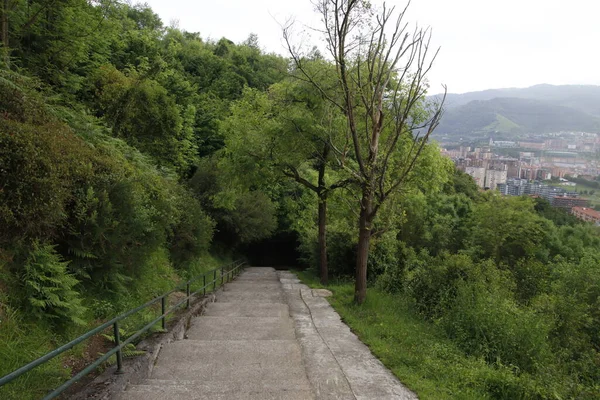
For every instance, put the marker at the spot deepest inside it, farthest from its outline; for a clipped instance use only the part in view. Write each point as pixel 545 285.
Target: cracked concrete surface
pixel 268 337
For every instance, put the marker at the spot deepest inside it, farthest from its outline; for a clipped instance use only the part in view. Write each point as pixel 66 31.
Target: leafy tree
pixel 437 222
pixel 252 217
pixel 142 112
pixel 242 214
pixel 508 229
pixel 289 130
pixel 380 88
pixel 462 183
pixel 557 215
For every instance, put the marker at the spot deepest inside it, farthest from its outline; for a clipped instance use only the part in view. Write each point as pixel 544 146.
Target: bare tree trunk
pixel 323 270
pixel 4 23
pixel 322 193
pixel 364 239
pixel 4 32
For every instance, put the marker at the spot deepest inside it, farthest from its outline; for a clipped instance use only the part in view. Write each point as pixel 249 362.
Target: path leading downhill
pixel 268 336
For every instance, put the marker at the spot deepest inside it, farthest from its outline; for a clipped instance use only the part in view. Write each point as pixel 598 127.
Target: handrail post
pixel 214 280
pixel 163 306
pixel 222 275
pixel 117 344
pixel 204 285
pixel 187 291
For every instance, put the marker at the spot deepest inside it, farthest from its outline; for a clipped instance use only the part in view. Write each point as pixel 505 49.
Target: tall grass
pixel 420 354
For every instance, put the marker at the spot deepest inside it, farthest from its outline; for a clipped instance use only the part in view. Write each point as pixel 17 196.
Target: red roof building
pixel 587 214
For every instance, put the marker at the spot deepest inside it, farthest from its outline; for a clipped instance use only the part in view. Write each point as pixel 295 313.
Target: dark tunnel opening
pixel 279 251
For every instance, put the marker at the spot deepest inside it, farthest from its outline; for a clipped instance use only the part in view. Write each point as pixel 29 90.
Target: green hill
pixel 514 116
pixel 585 98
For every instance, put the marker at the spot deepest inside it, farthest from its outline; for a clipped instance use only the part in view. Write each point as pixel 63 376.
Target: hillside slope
pixel 514 116
pixel 585 98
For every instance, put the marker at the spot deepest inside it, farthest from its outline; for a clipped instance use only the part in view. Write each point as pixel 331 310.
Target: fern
pixel 127 351
pixel 82 253
pixel 49 288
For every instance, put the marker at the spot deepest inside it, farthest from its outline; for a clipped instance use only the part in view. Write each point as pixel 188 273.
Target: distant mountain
pixel 538 109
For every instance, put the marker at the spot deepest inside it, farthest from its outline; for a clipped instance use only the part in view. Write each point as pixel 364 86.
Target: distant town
pixel 560 167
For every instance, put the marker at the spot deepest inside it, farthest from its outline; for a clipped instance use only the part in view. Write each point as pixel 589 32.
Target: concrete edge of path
pixel 338 364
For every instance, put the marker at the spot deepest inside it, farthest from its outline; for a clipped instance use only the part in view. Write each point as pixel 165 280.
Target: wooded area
pixel 132 155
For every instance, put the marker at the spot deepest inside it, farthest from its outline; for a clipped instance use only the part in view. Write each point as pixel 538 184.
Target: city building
pixel 537 158
pixel 494 177
pixel 513 187
pixel 557 196
pixel 532 144
pixel 568 202
pixel 587 214
pixel 478 174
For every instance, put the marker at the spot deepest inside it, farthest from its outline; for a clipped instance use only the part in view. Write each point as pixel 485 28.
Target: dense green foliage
pixel 505 284
pixel 108 121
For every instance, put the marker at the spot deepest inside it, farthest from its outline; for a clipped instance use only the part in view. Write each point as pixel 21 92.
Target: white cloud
pixel 485 43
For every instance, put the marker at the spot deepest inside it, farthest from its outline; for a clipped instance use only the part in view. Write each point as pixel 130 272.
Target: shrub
pixel 484 321
pixel 396 275
pixel 34 177
pixel 432 282
pixel 573 304
pixel 49 289
pixel 19 99
pixel 191 232
pixel 383 255
pixel 341 250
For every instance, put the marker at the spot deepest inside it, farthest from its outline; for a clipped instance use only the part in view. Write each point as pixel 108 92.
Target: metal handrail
pixel 227 273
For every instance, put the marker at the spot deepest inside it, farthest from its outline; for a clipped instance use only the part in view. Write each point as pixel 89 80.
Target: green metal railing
pixel 226 274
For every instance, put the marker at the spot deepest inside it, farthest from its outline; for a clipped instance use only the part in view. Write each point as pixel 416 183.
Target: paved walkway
pixel 268 337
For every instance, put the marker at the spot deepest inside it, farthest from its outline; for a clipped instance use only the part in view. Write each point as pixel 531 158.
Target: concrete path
pixel 268 337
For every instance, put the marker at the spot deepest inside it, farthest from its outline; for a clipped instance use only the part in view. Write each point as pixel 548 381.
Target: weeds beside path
pixel 417 352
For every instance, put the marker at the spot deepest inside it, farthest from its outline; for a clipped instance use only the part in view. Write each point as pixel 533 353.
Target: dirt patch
pixel 95 345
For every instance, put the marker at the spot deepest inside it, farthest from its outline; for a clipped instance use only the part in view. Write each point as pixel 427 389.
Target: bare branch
pixel 292 172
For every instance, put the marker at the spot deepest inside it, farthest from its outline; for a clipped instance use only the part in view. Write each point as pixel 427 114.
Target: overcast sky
pixel 484 43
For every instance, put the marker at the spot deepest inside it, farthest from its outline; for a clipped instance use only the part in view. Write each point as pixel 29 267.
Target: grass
pixel 593 198
pixel 416 351
pixel 23 340
pixel 502 124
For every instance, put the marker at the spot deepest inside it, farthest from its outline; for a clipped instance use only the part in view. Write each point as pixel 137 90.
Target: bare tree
pixel 6 7
pixel 381 69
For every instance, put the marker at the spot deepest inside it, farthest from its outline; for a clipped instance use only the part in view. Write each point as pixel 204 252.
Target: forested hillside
pixel 585 98
pixel 515 117
pixel 111 186
pixel 536 109
pixel 134 155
